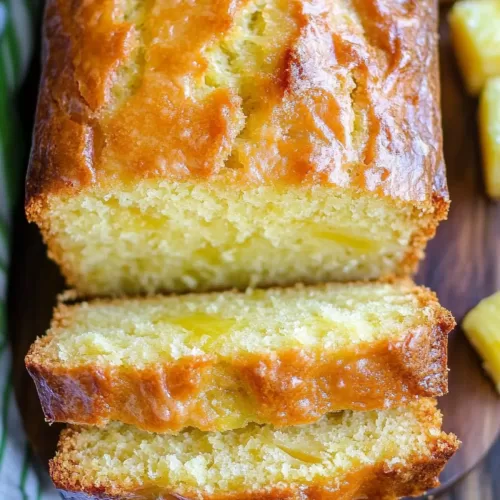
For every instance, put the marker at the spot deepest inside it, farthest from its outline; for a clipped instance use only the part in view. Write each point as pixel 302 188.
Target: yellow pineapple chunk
pixel 489 129
pixel 482 326
pixel 475 29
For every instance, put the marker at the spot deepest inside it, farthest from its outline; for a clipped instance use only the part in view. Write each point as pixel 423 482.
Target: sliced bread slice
pixel 219 361
pixel 379 454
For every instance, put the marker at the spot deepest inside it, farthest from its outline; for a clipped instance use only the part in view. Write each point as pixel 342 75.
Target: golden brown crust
pixel 377 482
pixel 351 105
pixel 389 50
pixel 175 395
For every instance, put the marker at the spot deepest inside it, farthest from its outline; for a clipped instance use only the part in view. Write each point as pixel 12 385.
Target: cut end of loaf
pixel 398 451
pixel 274 144
pixel 181 236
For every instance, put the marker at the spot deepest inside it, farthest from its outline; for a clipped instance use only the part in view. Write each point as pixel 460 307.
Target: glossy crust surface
pixel 379 481
pixel 353 100
pixel 175 395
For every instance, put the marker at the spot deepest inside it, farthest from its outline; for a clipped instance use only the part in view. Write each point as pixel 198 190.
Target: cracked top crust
pixel 245 92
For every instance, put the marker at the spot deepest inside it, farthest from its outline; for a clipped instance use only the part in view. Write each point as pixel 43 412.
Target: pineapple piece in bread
pixel 219 361
pixel 482 326
pixel 346 455
pixel 475 29
pixel 195 146
pixel 489 127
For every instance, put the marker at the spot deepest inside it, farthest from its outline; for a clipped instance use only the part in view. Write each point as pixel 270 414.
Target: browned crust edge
pixel 416 251
pixel 53 124
pixel 379 483
pixel 441 196
pixel 375 482
pixel 62 108
pixel 366 377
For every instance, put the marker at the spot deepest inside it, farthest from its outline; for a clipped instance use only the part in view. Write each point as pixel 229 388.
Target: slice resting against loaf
pixel 378 454
pixel 217 144
pixel 218 361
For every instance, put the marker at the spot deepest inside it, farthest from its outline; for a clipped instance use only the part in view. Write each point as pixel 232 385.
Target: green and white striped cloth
pixel 18 477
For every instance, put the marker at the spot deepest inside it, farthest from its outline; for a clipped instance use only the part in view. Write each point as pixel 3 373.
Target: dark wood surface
pixel 462 265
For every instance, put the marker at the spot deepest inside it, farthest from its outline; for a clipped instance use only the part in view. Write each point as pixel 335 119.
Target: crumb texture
pixel 204 145
pixel 121 460
pixel 228 325
pixel 220 361
pixel 181 237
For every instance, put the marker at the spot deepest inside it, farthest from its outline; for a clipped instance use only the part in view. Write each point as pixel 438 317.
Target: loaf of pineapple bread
pixel 219 361
pixel 216 144
pixel 345 455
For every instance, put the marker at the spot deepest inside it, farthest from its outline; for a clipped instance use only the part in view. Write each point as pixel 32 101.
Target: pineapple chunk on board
pixel 489 130
pixel 482 327
pixel 475 29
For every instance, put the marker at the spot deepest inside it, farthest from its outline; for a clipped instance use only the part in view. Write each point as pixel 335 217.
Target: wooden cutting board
pixel 462 266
